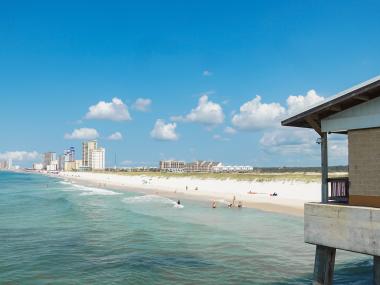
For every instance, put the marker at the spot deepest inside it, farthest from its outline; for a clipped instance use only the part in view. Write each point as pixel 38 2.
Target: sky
pixel 186 80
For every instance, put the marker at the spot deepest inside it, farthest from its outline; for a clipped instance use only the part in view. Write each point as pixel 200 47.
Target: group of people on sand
pixel 230 205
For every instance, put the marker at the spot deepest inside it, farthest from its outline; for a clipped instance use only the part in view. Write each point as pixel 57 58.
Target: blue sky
pixel 57 59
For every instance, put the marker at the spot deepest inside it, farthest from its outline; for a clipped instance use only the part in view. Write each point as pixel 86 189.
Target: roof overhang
pixel 356 95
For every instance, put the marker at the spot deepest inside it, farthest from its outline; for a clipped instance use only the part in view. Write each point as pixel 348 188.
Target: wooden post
pixel 376 270
pixel 324 265
pixel 325 170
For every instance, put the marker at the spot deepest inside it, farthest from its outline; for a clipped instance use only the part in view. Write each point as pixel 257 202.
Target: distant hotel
pixel 200 166
pixel 93 158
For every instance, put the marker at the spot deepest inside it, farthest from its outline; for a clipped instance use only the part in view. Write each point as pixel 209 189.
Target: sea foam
pixel 151 199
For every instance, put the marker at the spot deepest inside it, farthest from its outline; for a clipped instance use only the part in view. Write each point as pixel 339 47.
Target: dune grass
pixel 253 176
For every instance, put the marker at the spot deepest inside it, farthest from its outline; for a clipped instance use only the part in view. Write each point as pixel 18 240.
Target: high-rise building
pixel 87 148
pixel 61 162
pixel 9 163
pixel 48 158
pixel 69 154
pixel 98 159
pixel 93 158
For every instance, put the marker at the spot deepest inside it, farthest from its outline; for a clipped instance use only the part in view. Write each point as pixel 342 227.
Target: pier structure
pixel 348 216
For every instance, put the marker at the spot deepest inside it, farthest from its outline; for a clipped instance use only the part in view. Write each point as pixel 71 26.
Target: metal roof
pixel 311 118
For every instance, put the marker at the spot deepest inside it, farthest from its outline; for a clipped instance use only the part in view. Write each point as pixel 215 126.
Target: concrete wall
pixel 350 228
pixel 364 167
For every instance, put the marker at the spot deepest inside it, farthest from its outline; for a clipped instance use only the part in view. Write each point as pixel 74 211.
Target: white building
pixel 53 166
pixel 93 158
pixel 97 159
pixel 48 158
pixel 6 164
pixel 87 148
pixel 38 166
pixel 232 168
pixel 201 166
pixel 172 165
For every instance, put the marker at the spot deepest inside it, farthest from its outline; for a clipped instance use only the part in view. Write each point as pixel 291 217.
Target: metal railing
pixel 338 190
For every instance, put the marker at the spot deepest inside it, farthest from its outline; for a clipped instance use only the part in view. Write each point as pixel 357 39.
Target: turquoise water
pixel 53 232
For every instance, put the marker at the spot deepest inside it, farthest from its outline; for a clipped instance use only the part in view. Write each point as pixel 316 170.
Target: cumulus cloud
pixel 82 134
pixel 207 113
pixel 142 104
pixel 115 136
pixel 296 141
pixel 115 110
pixel 299 103
pixel 207 73
pixel 164 132
pixel 288 141
pixel 230 130
pixel 20 155
pixel 255 115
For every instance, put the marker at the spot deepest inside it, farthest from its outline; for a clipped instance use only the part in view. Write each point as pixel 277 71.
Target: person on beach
pixel 213 205
pixel 233 201
pixel 240 204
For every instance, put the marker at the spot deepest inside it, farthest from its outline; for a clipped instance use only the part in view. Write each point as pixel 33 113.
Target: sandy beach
pixel 256 194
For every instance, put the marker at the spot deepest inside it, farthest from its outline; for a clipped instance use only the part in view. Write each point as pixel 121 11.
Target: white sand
pixel 291 194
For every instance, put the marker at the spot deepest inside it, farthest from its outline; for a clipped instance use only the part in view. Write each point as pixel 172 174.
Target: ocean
pixel 55 232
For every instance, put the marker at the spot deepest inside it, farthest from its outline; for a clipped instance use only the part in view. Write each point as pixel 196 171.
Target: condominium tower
pixel 93 158
pixel 87 148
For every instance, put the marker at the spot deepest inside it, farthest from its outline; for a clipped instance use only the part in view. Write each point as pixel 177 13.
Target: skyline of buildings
pixel 93 158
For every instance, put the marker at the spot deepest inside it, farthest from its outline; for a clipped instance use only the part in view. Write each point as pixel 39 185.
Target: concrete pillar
pixel 376 270
pixel 325 168
pixel 324 265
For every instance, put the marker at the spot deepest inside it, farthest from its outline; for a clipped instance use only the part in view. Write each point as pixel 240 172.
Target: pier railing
pixel 339 190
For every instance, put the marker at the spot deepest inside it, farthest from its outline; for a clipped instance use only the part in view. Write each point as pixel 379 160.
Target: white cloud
pixel 255 115
pixel 164 132
pixel 220 138
pixel 207 113
pixel 19 155
pixel 115 136
pixel 297 141
pixel 142 104
pixel 230 130
pixel 287 141
pixel 299 103
pixel 115 111
pixel 82 134
pixel 207 73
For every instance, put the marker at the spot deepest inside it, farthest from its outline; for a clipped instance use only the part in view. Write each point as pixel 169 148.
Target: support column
pixel 324 265
pixel 376 270
pixel 325 170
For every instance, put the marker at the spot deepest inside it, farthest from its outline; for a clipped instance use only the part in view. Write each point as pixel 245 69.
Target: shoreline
pixel 290 200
